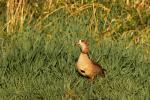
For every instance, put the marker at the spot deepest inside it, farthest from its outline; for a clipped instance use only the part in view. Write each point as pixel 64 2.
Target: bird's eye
pixel 82 40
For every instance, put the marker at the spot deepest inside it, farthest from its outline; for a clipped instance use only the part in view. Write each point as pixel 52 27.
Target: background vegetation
pixel 37 52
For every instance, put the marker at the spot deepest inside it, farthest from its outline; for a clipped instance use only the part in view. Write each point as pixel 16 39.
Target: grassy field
pixel 37 55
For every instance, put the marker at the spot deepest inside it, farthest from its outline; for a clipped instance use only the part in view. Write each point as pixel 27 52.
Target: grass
pixel 38 62
pixel 39 68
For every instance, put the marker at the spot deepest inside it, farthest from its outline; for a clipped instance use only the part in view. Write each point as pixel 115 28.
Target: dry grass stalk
pixel 47 6
pixel 40 19
pixel 127 2
pixel 2 44
pixel 10 16
pixel 72 9
pixel 15 14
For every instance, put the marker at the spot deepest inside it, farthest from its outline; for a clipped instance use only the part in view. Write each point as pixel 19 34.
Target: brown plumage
pixel 84 65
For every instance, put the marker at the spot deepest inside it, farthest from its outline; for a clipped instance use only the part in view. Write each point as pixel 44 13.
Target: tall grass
pixel 37 52
pixel 116 18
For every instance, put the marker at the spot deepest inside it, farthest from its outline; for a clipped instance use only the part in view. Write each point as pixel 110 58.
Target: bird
pixel 84 65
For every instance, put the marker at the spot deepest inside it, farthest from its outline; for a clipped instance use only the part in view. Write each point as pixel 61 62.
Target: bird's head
pixel 83 45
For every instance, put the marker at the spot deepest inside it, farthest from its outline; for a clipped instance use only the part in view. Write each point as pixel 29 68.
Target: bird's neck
pixel 84 50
